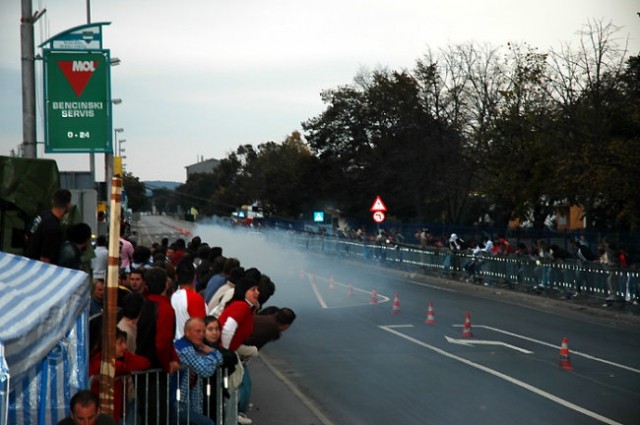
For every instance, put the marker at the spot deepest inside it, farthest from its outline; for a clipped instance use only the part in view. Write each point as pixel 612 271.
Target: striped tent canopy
pixel 43 327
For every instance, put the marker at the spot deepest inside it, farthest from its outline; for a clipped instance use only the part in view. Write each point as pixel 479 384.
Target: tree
pixel 593 97
pixel 196 192
pixel 136 192
pixel 522 132
pixel 518 168
pixel 375 137
pixel 285 178
pixel 164 200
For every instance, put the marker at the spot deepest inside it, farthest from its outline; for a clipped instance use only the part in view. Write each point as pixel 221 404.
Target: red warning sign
pixel 378 205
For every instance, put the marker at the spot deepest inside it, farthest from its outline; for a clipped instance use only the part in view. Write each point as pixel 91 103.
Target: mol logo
pixel 78 73
pixel 83 66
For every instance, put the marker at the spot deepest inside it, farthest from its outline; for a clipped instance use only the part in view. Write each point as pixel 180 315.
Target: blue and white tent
pixel 44 330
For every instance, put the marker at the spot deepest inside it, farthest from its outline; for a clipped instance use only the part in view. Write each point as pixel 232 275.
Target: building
pixel 204 166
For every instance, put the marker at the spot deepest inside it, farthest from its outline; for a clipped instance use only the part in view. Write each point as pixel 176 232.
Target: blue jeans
pixel 244 391
pixel 195 418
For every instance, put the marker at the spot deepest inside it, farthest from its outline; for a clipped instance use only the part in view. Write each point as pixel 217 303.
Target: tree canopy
pixel 471 127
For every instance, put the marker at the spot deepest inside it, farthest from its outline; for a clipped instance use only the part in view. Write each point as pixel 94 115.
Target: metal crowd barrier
pixel 153 397
pixel 515 271
pixel 4 386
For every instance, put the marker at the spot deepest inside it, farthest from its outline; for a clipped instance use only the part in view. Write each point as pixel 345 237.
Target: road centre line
pixel 573 352
pixel 503 376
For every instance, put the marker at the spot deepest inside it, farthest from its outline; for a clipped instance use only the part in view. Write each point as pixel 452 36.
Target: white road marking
pixel 547 344
pixel 432 286
pixel 507 378
pixel 323 304
pixel 472 342
pixel 318 296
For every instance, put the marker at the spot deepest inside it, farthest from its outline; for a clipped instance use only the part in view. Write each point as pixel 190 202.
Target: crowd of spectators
pixel 611 257
pixel 186 309
pixel 480 255
pixel 169 295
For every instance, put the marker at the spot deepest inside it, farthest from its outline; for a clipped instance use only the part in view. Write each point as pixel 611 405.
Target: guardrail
pixel 153 397
pixel 514 271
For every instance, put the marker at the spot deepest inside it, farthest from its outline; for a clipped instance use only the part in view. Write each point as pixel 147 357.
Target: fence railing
pixel 4 386
pixel 153 397
pixel 514 271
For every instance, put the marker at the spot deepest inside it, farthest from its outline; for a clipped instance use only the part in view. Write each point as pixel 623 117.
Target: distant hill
pixel 157 184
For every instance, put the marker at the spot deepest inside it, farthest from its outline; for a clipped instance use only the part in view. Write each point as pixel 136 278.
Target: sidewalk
pixel 276 401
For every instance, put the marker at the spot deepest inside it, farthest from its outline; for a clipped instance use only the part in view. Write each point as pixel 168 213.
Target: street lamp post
pixel 120 143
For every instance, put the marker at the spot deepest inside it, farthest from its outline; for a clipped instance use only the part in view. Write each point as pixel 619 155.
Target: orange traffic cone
pixel 374 297
pixel 301 273
pixel 396 304
pixel 565 361
pixel 332 282
pixel 430 317
pixel 466 332
pixel 350 291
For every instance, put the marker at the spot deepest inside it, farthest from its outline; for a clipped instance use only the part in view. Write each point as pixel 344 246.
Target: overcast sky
pixel 198 78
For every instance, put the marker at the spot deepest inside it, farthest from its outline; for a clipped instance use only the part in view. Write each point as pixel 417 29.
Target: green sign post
pixel 78 101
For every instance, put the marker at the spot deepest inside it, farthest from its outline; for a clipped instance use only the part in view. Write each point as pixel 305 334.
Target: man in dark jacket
pixel 266 328
pixel 86 411
pixel 45 235
pixel 78 239
pixel 269 327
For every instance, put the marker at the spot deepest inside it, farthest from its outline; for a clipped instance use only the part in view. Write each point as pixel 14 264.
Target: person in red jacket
pixel 157 322
pixel 186 302
pixel 236 320
pixel 126 363
pixel 156 329
pixel 236 323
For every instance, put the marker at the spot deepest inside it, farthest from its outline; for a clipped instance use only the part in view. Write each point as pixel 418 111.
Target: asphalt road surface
pixel 363 362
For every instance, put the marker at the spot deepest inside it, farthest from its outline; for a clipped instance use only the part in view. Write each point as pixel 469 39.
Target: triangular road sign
pixel 378 205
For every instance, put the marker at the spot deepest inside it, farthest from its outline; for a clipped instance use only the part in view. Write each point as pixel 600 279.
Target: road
pixel 369 363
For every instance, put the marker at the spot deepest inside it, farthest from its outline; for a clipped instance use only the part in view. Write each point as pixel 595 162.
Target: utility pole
pixel 92 156
pixel 27 50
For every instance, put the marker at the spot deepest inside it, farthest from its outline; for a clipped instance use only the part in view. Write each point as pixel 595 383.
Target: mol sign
pixel 78 102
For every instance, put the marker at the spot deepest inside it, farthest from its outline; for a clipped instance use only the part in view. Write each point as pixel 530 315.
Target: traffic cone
pixel 396 304
pixel 466 332
pixel 430 317
pixel 332 282
pixel 374 297
pixel 301 273
pixel 350 291
pixel 565 361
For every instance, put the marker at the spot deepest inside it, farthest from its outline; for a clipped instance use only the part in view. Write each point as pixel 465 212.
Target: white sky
pixel 198 78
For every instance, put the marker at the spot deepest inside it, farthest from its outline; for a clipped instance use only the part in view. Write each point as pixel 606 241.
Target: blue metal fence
pixel 515 271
